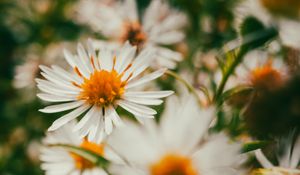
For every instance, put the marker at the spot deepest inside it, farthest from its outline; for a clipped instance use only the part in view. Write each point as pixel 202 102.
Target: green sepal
pixel 88 155
pixel 251 146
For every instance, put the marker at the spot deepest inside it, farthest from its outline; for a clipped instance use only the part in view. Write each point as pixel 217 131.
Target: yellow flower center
pixel 282 7
pixel 133 33
pixel 80 162
pixel 173 164
pixel 102 88
pixel 266 78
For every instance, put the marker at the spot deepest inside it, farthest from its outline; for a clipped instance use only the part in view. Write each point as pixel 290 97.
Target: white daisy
pixel 260 70
pixel 99 84
pixel 57 160
pixel 288 161
pixel 261 9
pixel 120 22
pixel 177 145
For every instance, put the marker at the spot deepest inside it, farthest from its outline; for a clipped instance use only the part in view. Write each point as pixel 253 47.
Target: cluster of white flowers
pixel 109 75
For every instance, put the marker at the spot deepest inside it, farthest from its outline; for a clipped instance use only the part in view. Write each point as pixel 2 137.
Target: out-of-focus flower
pixel 282 7
pixel 262 72
pixel 177 145
pixel 159 26
pixel 288 28
pixel 288 161
pixel 58 160
pixel 99 84
pixel 26 73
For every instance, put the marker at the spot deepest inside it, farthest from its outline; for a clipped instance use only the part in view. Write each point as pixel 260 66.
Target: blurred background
pixel 34 32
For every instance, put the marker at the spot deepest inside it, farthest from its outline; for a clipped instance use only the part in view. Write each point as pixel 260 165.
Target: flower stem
pixel 189 86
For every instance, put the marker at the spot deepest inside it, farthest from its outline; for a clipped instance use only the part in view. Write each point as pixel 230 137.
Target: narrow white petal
pixel 148 94
pixel 117 121
pixel 57 81
pixel 295 158
pixel 69 58
pixel 146 78
pixel 136 109
pixel 143 101
pixel 108 125
pixel 125 57
pixel 62 107
pixel 262 159
pixel 61 72
pixel 83 58
pixel 68 117
pixel 85 119
pixel 55 98
pixel 94 128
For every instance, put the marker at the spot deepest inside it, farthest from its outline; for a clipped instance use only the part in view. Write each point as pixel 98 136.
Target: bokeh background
pixel 34 32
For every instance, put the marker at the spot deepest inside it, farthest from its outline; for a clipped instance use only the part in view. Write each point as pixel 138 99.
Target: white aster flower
pixel 288 161
pixel 159 26
pixel 177 145
pixel 57 160
pixel 99 84
pixel 288 28
pixel 260 70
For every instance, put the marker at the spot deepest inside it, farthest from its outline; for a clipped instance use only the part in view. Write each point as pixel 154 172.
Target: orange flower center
pixel 134 34
pixel 266 78
pixel 172 164
pixel 282 7
pixel 80 162
pixel 102 88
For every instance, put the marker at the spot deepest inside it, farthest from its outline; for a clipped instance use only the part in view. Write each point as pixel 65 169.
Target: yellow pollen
pixel 132 32
pixel 172 164
pixel 80 162
pixel 266 78
pixel 102 88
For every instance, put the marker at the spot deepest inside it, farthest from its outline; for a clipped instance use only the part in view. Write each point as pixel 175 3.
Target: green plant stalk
pixel 228 73
pixel 189 86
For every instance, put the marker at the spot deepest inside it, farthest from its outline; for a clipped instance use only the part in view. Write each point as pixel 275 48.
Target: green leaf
pixel 88 155
pixel 253 146
pixel 234 91
pixel 255 34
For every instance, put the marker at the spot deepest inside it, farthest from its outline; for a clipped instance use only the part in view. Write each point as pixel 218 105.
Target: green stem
pixel 228 73
pixel 189 86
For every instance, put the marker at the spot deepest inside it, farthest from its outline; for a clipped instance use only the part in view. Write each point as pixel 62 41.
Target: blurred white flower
pixel 60 161
pixel 179 144
pixel 288 161
pixel 35 55
pixel 259 69
pixel 99 83
pixel 119 22
pixel 288 28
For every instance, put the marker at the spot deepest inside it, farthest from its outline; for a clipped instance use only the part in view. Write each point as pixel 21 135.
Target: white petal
pixel 108 125
pixel 70 58
pixel 295 158
pixel 262 159
pixel 85 119
pixel 146 78
pixel 117 121
pixel 66 74
pixel 143 101
pixel 148 94
pixel 55 98
pixel 84 58
pixel 62 107
pixel 68 117
pixel 136 109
